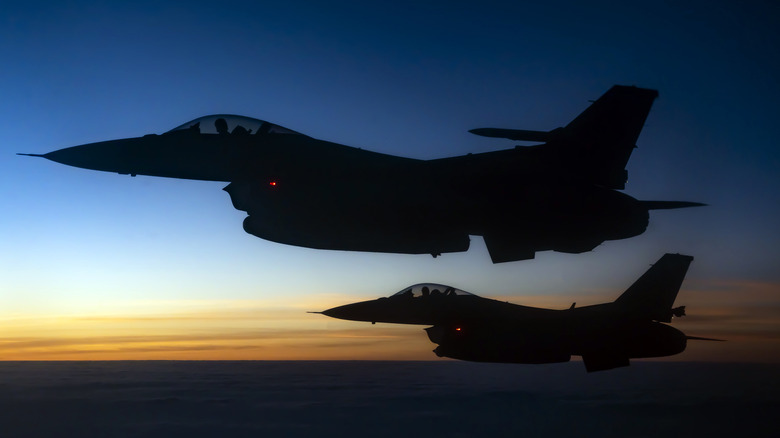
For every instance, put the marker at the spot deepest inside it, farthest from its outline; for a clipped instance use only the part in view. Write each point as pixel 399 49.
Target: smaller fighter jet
pixel 472 328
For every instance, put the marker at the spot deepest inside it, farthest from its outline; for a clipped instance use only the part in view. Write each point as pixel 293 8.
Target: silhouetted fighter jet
pixel 297 190
pixel 472 328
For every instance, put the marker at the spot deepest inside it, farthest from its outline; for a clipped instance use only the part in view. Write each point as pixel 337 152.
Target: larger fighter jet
pixel 561 195
pixel 469 327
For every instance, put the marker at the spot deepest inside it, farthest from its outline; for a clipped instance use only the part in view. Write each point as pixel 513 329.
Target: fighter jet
pixel 472 328
pixel 561 195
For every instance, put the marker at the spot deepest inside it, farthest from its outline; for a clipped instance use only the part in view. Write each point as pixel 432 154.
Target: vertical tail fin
pixel 597 144
pixel 604 135
pixel 653 294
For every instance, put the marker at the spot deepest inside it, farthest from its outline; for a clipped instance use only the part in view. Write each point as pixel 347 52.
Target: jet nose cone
pixel 340 312
pixel 91 156
pixel 362 311
pixel 69 156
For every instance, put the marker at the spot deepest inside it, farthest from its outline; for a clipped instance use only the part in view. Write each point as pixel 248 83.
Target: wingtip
pixel 30 155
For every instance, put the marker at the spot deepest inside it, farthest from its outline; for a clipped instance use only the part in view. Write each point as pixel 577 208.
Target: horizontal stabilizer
pixel 668 205
pixel 514 134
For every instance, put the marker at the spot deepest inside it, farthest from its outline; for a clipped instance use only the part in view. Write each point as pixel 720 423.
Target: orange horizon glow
pixel 263 330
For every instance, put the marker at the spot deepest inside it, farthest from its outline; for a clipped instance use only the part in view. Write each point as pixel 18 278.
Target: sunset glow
pixel 259 330
pixel 102 266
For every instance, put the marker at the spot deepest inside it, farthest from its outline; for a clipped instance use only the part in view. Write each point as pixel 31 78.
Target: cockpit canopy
pixel 232 124
pixel 430 289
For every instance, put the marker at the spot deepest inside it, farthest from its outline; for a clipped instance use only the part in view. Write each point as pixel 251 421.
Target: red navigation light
pixel 457 329
pixel 273 183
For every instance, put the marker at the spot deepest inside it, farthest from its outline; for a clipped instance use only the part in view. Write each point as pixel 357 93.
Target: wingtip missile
pixel 513 134
pixel 699 338
pixel 669 205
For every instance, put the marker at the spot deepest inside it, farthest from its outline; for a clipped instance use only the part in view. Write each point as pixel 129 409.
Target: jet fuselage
pixel 308 192
pixel 298 190
pixel 607 335
pixel 470 327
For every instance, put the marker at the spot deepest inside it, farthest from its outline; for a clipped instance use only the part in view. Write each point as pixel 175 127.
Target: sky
pixel 102 266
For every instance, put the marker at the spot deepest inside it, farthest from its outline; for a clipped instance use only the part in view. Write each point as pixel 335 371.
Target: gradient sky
pixel 101 266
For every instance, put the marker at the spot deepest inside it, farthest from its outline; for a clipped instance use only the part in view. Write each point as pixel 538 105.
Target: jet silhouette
pixel 472 328
pixel 561 195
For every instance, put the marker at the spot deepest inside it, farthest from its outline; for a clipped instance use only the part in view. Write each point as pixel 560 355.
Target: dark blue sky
pixel 395 77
